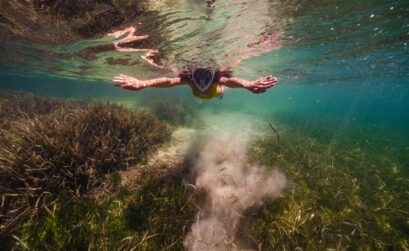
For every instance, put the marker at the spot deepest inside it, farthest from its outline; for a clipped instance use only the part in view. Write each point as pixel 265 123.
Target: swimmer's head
pixel 203 78
pixel 202 73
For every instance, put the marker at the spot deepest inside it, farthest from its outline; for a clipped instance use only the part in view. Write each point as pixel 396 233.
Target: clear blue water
pixel 338 62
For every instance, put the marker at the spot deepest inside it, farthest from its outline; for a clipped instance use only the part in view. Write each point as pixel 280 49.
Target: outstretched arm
pixel 258 86
pixel 131 83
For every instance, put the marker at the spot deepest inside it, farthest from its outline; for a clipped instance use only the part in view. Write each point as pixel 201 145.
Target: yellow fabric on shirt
pixel 214 91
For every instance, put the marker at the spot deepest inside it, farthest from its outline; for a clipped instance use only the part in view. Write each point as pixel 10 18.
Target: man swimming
pixel 205 83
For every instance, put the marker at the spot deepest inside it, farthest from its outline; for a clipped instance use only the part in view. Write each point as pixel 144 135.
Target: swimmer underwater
pixel 206 83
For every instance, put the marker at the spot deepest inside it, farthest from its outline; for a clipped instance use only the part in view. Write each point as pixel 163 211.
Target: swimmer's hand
pixel 128 82
pixel 261 84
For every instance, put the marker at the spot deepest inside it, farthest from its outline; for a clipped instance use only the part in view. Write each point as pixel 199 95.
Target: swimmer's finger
pixel 121 79
pixel 271 78
pixel 118 77
pixel 118 80
pixel 269 83
pixel 119 83
pixel 274 79
pixel 268 80
pixel 265 85
pixel 121 76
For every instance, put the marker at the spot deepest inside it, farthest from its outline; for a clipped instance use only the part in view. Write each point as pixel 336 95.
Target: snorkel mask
pixel 203 78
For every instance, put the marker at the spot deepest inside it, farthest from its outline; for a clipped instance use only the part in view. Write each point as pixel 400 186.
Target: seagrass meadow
pixel 77 175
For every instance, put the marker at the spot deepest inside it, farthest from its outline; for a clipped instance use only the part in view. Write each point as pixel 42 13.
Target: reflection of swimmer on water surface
pixel 206 83
pixel 121 45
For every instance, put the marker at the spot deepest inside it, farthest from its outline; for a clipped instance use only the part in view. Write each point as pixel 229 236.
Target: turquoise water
pixel 343 81
pixel 337 60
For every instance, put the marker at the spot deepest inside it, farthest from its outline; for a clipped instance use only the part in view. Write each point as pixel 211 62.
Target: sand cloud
pixel 232 185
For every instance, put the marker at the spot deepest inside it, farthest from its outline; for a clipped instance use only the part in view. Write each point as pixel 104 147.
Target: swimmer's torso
pixel 214 91
pixel 205 82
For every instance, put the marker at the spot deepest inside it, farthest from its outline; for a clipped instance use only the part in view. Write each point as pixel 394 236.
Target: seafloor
pixel 86 175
